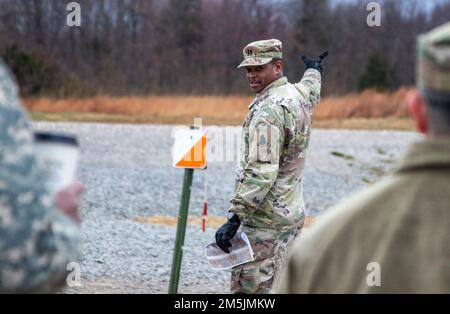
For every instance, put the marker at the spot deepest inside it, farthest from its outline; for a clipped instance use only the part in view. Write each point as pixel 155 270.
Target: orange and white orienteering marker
pixel 189 150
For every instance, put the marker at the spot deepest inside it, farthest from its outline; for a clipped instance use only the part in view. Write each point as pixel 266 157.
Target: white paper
pixel 241 252
pixel 59 163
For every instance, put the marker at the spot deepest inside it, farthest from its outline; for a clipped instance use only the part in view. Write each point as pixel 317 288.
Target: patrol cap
pixel 433 62
pixel 261 52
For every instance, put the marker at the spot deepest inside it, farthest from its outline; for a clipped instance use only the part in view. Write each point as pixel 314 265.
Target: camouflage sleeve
pixel 266 138
pixel 309 87
pixel 36 241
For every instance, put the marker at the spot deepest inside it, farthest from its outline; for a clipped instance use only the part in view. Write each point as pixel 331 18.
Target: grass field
pixel 211 221
pixel 366 110
pixel 400 124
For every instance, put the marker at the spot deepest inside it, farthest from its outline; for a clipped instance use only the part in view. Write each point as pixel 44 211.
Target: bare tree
pixel 194 46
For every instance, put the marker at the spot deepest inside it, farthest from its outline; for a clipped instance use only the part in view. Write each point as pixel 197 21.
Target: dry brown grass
pixel 368 104
pixel 400 124
pixel 211 221
pixel 339 112
pixel 167 109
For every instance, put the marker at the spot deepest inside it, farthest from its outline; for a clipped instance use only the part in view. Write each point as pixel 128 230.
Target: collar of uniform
pixel 281 81
pixel 428 153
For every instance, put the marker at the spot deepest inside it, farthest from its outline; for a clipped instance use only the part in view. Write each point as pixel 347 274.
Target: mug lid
pixel 55 138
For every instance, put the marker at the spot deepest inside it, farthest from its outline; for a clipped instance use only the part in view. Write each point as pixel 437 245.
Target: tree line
pixel 181 47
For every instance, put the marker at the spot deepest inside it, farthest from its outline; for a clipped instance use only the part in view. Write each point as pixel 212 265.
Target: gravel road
pixel 128 173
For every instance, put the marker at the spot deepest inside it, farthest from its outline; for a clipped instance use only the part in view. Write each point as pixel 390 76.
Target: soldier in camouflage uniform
pixel 36 241
pixel 394 236
pixel 268 199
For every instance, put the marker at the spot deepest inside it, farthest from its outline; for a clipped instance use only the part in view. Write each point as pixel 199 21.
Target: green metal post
pixel 181 231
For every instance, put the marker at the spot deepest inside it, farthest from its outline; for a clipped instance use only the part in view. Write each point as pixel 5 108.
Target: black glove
pixel 225 233
pixel 315 63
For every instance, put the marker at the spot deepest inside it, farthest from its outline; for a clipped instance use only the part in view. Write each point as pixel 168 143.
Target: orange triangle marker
pixel 195 157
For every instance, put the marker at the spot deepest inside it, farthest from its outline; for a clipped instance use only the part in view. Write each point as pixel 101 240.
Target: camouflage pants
pixel 261 275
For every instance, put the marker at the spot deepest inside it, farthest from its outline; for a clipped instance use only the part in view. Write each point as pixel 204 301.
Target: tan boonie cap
pixel 261 52
pixel 433 61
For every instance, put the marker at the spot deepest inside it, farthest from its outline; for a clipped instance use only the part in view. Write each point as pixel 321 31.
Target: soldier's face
pixel 260 76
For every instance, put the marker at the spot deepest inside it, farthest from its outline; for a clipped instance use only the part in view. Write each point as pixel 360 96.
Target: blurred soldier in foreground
pixel 394 237
pixel 268 199
pixel 36 240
